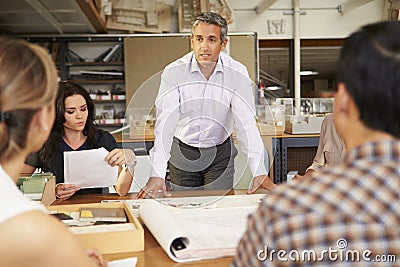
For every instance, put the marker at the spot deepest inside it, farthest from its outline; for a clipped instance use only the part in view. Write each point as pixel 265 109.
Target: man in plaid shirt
pixel 347 215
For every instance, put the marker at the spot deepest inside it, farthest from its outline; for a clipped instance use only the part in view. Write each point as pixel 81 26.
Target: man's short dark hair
pixel 215 19
pixel 369 66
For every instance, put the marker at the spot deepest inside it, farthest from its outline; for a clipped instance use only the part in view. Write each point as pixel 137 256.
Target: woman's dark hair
pixel 67 89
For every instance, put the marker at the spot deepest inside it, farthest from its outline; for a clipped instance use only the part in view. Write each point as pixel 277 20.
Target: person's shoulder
pixel 329 117
pixel 106 140
pixel 327 122
pixel 182 61
pixel 18 235
pixel 12 200
pixel 100 133
pixel 35 238
pixel 177 67
pixel 227 60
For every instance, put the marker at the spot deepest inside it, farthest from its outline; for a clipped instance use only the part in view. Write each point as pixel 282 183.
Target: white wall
pixel 321 19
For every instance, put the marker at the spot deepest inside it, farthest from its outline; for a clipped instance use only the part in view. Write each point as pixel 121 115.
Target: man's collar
pixel 194 66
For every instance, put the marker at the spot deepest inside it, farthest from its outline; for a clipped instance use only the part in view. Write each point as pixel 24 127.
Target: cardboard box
pixel 269 129
pixel 303 124
pixel 112 242
pixel 142 16
pixel 49 192
pixel 47 196
pixel 140 132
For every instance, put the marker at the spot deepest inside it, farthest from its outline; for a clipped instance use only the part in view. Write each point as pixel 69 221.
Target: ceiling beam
pixel 88 7
pixel 263 5
pixel 85 19
pixel 175 8
pixel 45 13
pixel 351 4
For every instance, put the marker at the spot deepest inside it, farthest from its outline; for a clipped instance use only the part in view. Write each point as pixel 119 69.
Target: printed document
pixel 87 168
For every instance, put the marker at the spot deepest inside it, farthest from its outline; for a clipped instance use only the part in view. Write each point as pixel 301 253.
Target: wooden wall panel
pixel 147 56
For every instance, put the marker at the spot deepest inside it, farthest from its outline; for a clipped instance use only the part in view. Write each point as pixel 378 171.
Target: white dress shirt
pixel 12 200
pixel 203 113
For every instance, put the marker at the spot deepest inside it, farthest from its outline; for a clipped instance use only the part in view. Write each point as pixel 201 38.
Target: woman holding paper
pixel 74 130
pixel 28 84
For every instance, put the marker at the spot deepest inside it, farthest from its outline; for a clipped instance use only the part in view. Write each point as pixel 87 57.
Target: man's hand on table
pixel 261 181
pixel 151 188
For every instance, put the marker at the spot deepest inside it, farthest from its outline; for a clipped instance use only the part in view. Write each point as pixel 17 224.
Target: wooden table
pixel 153 255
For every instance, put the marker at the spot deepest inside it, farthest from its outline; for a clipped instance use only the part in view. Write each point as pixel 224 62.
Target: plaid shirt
pixel 331 218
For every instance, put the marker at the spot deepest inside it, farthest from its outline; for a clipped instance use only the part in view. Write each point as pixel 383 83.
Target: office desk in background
pixel 153 255
pixel 292 152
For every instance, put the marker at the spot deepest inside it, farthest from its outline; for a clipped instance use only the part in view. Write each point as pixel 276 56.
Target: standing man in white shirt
pixel 202 98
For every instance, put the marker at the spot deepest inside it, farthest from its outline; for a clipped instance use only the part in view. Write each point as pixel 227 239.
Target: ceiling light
pixel 275 87
pixel 308 72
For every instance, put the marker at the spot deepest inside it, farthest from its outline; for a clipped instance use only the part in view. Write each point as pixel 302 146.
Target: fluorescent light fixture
pixel 272 88
pixel 308 72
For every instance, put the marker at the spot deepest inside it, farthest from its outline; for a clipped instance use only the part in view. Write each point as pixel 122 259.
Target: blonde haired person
pixel 28 86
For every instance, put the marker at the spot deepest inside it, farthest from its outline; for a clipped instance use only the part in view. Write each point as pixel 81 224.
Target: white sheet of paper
pixel 128 262
pixel 87 168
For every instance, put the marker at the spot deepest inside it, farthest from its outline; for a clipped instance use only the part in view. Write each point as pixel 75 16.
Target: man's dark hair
pixel 369 66
pixel 215 19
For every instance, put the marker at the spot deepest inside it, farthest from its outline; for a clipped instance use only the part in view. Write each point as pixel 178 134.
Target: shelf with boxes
pixel 305 115
pixel 97 63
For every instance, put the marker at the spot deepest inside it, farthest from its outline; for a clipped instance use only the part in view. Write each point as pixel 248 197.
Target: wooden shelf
pixel 110 125
pixel 108 101
pixel 93 63
pixel 64 47
pixel 99 81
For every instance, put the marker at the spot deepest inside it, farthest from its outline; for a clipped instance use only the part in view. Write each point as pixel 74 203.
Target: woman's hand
pixel 96 257
pixel 118 157
pixel 298 177
pixel 65 191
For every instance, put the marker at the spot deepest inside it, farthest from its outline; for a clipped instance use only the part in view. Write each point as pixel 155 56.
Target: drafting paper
pixel 211 227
